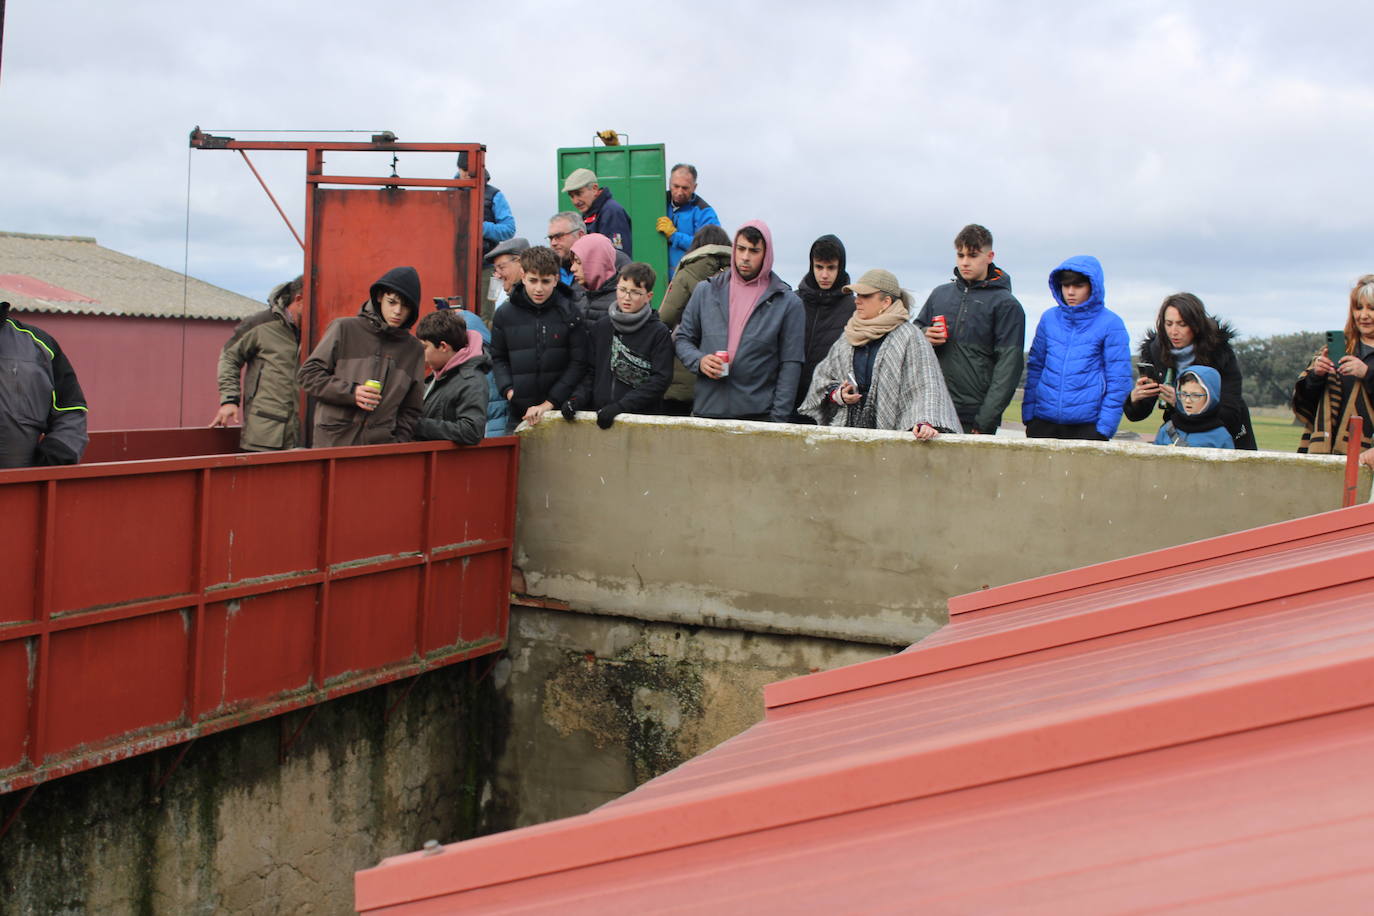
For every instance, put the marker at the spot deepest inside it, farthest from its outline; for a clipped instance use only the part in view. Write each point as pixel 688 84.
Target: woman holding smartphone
pixel 1185 335
pixel 1340 385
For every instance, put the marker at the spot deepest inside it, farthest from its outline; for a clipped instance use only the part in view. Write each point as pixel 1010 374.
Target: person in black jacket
pixel 456 397
pixel 1185 335
pixel 538 342
pixel 827 305
pixel 632 354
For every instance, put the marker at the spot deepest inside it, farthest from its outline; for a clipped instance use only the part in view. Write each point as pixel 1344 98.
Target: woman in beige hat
pixel 881 373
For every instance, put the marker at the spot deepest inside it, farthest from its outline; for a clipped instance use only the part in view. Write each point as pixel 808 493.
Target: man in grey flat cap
pixel 600 212
pixel 505 262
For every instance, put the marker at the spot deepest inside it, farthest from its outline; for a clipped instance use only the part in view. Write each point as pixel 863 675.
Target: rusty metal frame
pixel 316 177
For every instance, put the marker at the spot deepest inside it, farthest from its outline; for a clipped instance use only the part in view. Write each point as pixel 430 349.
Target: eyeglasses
pixel 1193 395
pixel 558 235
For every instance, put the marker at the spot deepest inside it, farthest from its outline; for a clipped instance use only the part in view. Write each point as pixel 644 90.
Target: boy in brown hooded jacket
pixel 374 346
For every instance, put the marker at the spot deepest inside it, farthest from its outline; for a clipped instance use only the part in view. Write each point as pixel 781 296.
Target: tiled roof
pixel 74 275
pixel 1187 730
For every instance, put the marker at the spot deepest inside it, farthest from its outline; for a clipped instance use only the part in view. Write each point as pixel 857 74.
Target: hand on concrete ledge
pixel 569 410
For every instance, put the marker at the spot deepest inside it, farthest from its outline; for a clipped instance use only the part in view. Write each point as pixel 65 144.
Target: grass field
pixel 1274 428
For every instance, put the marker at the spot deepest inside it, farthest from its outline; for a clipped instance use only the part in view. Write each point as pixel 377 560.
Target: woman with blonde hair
pixel 1338 386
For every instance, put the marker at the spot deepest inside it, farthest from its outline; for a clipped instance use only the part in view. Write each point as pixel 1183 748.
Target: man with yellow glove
pixel 686 213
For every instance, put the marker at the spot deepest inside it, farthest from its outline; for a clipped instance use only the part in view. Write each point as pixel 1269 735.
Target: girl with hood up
pixel 1185 335
pixel 1197 420
pixel 593 264
pixel 881 373
pixel 374 345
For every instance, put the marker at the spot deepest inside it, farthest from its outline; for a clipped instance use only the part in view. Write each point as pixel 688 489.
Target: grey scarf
pixel 628 324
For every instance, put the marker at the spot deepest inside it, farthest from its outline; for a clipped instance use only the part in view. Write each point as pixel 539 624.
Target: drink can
pixel 939 323
pixel 374 384
pixel 724 357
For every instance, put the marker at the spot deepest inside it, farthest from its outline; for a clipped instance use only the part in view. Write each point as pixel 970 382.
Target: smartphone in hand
pixel 1149 371
pixel 1335 345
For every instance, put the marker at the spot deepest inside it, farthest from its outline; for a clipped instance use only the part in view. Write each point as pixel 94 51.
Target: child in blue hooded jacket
pixel 1199 424
pixel 1079 370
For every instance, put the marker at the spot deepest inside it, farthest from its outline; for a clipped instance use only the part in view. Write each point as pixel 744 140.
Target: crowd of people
pixel 571 329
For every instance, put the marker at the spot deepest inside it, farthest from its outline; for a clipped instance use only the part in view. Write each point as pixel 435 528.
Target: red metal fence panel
pixel 151 601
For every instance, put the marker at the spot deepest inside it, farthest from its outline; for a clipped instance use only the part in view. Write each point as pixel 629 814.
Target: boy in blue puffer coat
pixel 1199 424
pixel 1079 370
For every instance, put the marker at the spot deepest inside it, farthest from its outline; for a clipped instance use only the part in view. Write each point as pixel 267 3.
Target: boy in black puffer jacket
pixel 632 354
pixel 538 342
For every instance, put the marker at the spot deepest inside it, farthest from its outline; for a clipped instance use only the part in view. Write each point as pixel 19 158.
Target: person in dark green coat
pixel 268 346
pixel 708 256
pixel 981 343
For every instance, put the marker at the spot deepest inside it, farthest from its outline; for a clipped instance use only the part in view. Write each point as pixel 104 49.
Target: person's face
pixel 1075 293
pixel 631 297
pixel 748 257
pixel 507 267
pixel 562 236
pixel 294 307
pixel 436 358
pixel 582 198
pixel 1363 314
pixel 1176 329
pixel 973 265
pixel 393 309
pixel 464 174
pixel 870 305
pixel 539 287
pixel 1194 397
pixel 577 271
pixel 825 272
pixel 681 186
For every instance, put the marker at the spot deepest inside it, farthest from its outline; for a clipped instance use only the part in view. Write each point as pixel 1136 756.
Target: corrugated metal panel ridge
pixel 120 284
pixel 1308 560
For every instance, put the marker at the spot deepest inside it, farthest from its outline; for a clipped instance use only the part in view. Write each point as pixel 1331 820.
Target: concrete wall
pixel 859 535
pixel 601 704
pixel 235 829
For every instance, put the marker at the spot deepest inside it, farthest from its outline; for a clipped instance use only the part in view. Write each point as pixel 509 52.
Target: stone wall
pixel 237 828
pixel 601 704
pixel 860 535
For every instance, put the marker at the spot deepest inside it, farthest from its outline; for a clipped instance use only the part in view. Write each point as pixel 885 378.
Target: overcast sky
pixel 1220 148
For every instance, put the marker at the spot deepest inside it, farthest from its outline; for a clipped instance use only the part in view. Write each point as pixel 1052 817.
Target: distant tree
pixel 1271 365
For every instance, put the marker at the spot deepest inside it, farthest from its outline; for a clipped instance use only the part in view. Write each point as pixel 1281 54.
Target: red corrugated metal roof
pixel 1185 729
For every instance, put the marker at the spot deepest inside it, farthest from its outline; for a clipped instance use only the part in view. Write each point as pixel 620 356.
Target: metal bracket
pixel 14 815
pixel 285 746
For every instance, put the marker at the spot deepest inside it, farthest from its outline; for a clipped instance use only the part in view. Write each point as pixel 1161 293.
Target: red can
pixel 939 324
pixel 724 357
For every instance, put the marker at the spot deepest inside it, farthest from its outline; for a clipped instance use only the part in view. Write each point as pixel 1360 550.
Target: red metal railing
pixel 147 602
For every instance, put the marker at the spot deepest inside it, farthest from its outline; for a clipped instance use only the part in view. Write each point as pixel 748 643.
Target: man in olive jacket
pixel 269 345
pixel 374 346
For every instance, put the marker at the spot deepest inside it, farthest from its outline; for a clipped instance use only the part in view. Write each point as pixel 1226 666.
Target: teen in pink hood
pixel 752 314
pixel 594 266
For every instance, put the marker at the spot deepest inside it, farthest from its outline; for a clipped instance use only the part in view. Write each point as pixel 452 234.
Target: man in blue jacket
pixel 686 213
pixel 1079 371
pixel 752 316
pixel 600 212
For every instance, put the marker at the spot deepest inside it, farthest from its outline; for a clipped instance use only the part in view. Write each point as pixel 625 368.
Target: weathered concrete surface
pixel 860 535
pixel 601 704
pixel 233 830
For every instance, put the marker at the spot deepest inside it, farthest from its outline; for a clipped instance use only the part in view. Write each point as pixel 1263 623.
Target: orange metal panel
pixel 241 546
pixel 124 543
pixel 357 529
pixel 257 648
pixel 371 621
pixel 116 678
pixel 19 540
pixel 357 235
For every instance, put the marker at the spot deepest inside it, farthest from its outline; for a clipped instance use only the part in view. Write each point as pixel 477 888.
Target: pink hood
pixel 745 294
pixel 473 349
pixel 598 260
